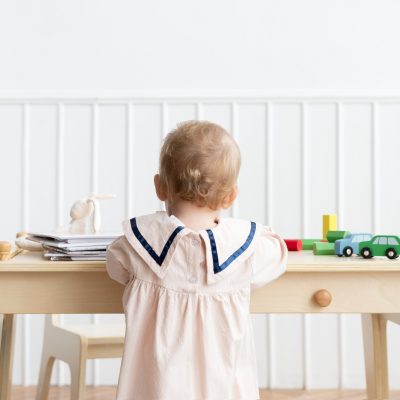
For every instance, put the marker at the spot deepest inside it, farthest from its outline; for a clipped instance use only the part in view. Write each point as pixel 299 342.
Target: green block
pixel 323 248
pixel 332 236
pixel 308 243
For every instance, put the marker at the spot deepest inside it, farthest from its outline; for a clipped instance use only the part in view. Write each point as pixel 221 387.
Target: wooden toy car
pixel 381 245
pixel 349 245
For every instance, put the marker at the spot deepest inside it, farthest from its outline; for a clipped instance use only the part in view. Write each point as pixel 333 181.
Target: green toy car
pixel 381 245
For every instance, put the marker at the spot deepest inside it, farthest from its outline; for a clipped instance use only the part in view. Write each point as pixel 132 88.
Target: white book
pixel 73 238
pixel 65 245
pixel 75 249
pixel 61 257
pixel 57 252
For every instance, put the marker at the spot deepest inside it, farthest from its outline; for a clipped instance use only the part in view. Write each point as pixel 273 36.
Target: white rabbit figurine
pixel 85 215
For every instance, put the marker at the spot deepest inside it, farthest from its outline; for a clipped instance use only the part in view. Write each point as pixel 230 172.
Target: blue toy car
pixel 349 245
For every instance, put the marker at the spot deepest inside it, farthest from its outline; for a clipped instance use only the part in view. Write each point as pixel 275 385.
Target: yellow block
pixel 329 223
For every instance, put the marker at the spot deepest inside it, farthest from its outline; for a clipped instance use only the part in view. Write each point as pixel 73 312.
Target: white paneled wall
pixel 302 157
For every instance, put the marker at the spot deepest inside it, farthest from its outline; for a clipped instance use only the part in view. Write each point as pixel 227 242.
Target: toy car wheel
pixel 366 252
pixel 348 251
pixel 339 255
pixel 391 253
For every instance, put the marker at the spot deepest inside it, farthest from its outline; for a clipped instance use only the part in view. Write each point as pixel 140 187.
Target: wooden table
pixel 30 285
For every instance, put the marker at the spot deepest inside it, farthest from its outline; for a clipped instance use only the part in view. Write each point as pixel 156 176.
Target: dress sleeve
pixel 115 268
pixel 269 258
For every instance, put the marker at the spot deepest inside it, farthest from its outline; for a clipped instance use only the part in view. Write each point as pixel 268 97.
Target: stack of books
pixel 73 247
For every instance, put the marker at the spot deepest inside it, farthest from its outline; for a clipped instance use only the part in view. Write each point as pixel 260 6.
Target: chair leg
pixel 78 377
pixel 46 368
pixel 375 352
pixel 7 336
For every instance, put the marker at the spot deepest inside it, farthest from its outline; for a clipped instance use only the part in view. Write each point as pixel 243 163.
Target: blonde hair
pixel 199 162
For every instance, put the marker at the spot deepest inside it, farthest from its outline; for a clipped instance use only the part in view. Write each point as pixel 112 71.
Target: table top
pixel 303 261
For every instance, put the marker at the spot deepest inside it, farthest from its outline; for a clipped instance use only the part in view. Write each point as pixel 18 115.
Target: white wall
pixel 125 45
pixel 302 157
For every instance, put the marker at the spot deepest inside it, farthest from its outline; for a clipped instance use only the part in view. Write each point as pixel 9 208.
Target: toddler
pixel 188 274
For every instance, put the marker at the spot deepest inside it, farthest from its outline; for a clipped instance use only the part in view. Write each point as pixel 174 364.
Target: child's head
pixel 199 163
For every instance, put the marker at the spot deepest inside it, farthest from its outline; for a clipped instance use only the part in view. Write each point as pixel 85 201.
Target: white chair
pixel 74 345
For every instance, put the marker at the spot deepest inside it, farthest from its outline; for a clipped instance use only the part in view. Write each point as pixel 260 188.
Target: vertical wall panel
pixel 148 129
pixel 388 166
pixel 11 125
pixel 111 165
pixel 322 365
pixel 352 373
pixel 320 165
pixel 252 178
pixel 77 155
pixel 42 167
pixel 357 173
pixel 286 166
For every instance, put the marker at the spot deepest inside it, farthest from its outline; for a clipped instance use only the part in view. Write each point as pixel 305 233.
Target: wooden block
pixel 6 252
pixel 323 248
pixel 308 243
pixel 293 244
pixel 332 236
pixel 5 247
pixel 329 223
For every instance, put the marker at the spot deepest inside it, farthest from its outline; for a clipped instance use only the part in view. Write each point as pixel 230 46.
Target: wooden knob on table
pixel 323 298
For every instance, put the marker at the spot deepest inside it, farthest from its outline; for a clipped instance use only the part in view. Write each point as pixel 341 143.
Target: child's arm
pixel 269 258
pixel 115 268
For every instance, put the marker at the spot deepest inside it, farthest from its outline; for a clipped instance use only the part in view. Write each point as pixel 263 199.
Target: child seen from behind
pixel 188 275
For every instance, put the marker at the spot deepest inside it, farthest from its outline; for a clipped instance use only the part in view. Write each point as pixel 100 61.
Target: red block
pixel 293 244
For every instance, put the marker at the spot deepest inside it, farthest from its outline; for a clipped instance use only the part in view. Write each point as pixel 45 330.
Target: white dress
pixel 186 301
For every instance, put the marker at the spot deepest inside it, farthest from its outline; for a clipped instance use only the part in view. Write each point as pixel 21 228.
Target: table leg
pixel 6 355
pixel 375 353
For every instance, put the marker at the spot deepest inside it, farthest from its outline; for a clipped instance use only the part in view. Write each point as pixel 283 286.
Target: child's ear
pixel 230 198
pixel 159 188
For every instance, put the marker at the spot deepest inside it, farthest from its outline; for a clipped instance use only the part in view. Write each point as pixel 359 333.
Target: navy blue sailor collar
pixel 232 241
pixel 155 238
